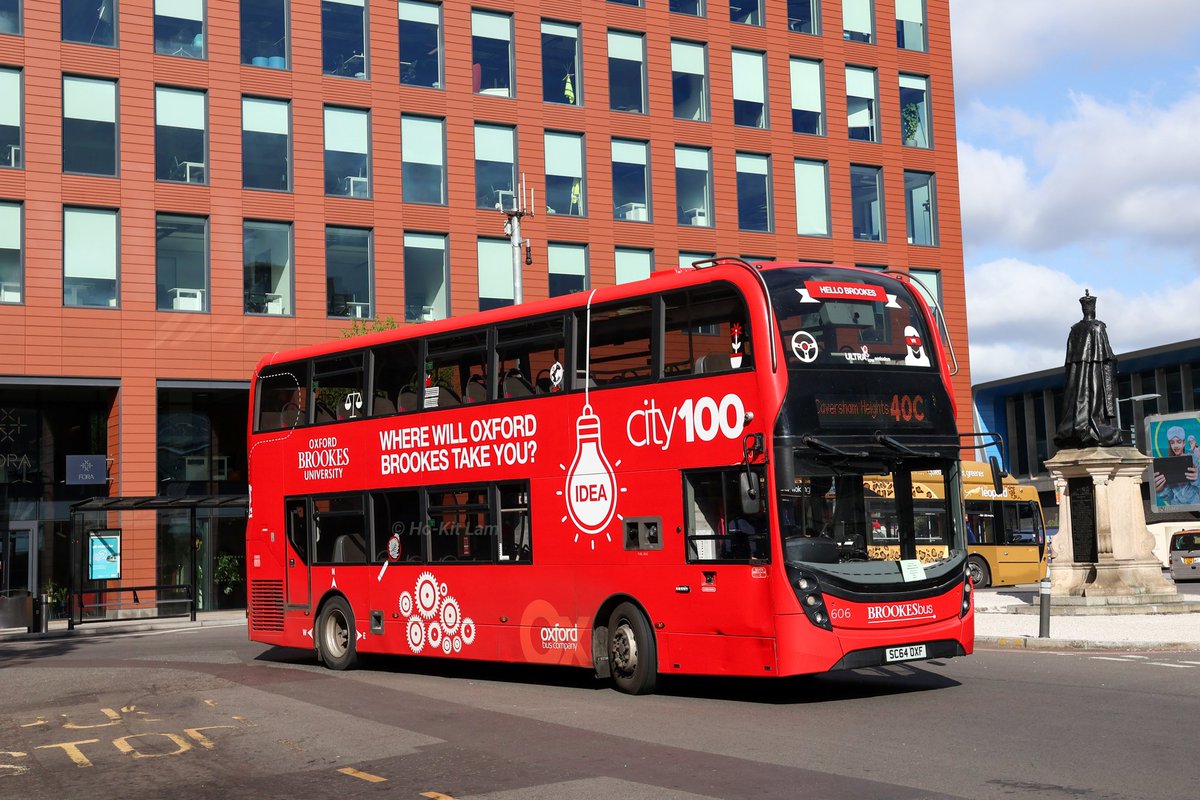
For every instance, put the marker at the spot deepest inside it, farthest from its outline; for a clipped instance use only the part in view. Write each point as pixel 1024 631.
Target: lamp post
pixel 1133 401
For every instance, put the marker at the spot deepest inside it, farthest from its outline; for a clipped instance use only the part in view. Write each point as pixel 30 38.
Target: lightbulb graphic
pixel 591 486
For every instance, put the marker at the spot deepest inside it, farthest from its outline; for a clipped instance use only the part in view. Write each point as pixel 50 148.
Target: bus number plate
pixel 906 653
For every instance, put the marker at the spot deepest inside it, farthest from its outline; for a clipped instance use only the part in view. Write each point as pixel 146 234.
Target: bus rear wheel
pixel 335 635
pixel 632 655
pixel 981 576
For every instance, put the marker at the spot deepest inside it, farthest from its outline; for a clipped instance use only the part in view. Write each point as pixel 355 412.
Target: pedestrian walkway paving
pixel 1009 618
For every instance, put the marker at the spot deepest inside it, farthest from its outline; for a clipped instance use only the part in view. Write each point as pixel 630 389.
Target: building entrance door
pixel 18 571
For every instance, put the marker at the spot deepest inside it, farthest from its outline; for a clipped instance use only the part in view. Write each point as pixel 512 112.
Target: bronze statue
pixel 1089 406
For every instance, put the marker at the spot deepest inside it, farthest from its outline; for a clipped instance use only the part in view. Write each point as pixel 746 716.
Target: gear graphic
pixel 467 630
pixel 406 604
pixel 457 643
pixel 451 615
pixel 427 595
pixel 435 635
pixel 416 635
pixel 447 645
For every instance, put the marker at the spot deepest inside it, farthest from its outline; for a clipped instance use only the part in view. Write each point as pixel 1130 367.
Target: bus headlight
pixel 808 592
pixel 966 593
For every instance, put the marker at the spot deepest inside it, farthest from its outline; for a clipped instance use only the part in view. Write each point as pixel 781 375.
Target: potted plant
pixel 56 594
pixel 910 121
pixel 227 570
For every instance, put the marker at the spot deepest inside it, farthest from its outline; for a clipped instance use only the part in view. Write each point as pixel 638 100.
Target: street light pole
pixel 1135 399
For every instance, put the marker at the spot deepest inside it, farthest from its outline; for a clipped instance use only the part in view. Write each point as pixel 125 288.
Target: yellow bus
pixel 1006 537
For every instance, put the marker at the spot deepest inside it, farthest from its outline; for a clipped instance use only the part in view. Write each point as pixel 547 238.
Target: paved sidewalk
pixel 1009 618
pixel 58 627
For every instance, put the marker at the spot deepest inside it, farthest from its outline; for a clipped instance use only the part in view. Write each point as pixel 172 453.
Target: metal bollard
pixel 44 613
pixel 1044 599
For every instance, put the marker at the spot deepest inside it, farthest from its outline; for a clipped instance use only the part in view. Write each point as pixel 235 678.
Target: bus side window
pixel 393 367
pixel 397 515
pixel 705 331
pixel 515 541
pixel 339 387
pixel 297 530
pixel 281 392
pixel 340 526
pixel 620 344
pixel 717 528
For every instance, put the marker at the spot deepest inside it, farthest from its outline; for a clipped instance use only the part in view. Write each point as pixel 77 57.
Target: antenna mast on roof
pixel 522 206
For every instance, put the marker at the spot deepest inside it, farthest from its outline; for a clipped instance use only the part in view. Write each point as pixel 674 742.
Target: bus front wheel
pixel 981 576
pixel 336 638
pixel 632 655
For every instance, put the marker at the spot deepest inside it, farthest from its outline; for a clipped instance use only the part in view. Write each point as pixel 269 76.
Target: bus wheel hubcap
pixel 625 650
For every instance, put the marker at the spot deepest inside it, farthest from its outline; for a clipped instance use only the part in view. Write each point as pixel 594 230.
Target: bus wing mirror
pixel 997 474
pixel 751 492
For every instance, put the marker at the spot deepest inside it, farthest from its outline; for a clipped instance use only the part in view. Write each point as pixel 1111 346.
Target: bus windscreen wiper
pixel 824 447
pixel 888 441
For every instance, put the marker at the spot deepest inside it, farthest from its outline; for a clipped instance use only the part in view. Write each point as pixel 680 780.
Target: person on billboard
pixel 1177 477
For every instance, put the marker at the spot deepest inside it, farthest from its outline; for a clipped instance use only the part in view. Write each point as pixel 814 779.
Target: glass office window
pixel 694 8
pixel 627 72
pixel 858 21
pixel 90 22
pixel 637 3
pixel 687 259
pixel 631 180
pixel 12 262
pixel 11 111
pixel 693 186
pixel 267 267
pixel 861 104
pixel 866 202
pixel 920 207
pixel 910 25
pixel 568 268
pixel 423 159
pixel 179 28
pixel 265 33
pixel 89 132
pixel 749 89
pixel 182 263
pixel 348 278
pixel 344 38
pixel 754 192
pixel 90 257
pixel 565 190
pixel 266 144
pixel 179 135
pixel 812 198
pixel 747 12
pixel 495 166
pixel 561 65
pixel 420 44
pixel 10 17
pixel 804 16
pixel 491 54
pixel 914 111
pixel 495 258
pixel 347 152
pixel 929 284
pixel 426 277
pixel 689 80
pixel 808 97
pixel 633 264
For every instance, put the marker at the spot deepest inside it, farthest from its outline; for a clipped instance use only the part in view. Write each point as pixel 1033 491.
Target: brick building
pixel 186 185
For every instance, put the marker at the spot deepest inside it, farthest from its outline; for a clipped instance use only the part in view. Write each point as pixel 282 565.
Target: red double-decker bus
pixel 662 477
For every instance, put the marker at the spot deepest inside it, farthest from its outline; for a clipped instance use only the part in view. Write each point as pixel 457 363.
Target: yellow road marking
pixel 436 796
pixel 366 776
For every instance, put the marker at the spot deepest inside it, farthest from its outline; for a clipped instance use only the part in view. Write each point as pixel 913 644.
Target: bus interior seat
pixel 476 390
pixel 712 362
pixel 383 404
pixel 542 382
pixel 515 385
pixel 270 421
pixel 409 399
pixel 446 398
pixel 816 549
pixel 324 413
pixel 349 548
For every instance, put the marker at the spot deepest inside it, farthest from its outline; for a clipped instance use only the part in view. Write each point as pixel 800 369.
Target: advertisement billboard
pixel 1173 441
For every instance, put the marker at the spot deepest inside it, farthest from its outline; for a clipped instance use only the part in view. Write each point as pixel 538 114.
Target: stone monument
pixel 1102 554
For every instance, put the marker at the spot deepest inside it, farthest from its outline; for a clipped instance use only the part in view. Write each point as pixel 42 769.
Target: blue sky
pixel 1079 160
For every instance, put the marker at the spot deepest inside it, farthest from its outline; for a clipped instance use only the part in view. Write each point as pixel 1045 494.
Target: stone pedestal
pixel 1107 557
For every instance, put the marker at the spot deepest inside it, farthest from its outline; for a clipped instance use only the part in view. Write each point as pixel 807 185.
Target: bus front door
pixel 298 581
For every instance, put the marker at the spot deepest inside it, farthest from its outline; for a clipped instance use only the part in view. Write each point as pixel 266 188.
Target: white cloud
pixel 1019 315
pixel 1104 172
pixel 997 41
